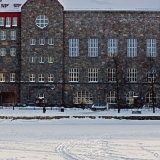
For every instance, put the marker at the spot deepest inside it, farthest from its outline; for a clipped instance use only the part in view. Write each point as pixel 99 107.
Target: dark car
pixel 19 105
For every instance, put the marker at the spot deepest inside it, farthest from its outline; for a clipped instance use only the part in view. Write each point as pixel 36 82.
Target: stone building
pixel 82 52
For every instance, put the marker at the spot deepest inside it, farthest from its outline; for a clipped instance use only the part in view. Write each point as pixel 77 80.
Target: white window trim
pixel 40 77
pixel 3 35
pixel 112 47
pixel 50 59
pixel 151 47
pixel 73 47
pixel 32 41
pixel 8 21
pixel 51 41
pixel 1 21
pixel 92 75
pixel 132 75
pixel 112 97
pixel 12 77
pixel 14 21
pixel 39 21
pixel 41 41
pixel 92 47
pixel 13 35
pixel 32 59
pixel 51 78
pixel 2 77
pixel 131 47
pixel 32 77
pixel 41 59
pixel 74 75
pixel 111 74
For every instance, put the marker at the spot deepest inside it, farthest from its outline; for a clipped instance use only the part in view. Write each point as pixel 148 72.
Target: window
pixel 41 77
pixel 13 35
pixel 151 75
pixel 132 75
pixel 132 47
pixel 150 98
pixel 50 59
pixel 93 47
pixel 151 48
pixel 83 97
pixel 8 21
pixel 32 41
pixel 129 97
pixel 1 21
pixel 32 59
pixel 3 35
pixel 14 22
pixel 112 97
pixel 12 77
pixel 93 75
pixel 112 47
pixel 41 59
pixel 42 21
pixel 2 77
pixel 41 41
pixel 50 77
pixel 2 51
pixel 73 47
pixel 51 41
pixel 12 51
pixel 74 75
pixel 32 77
pixel 111 74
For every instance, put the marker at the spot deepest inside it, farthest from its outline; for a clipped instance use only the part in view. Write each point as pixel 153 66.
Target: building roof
pixel 90 5
pixel 111 5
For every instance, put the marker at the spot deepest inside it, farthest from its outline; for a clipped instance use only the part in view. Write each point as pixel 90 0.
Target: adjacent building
pixel 79 52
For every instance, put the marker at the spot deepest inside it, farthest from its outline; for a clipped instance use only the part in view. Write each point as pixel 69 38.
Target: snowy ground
pixel 78 139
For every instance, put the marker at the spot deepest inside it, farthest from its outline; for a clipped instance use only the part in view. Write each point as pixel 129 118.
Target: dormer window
pixel 4 5
pixel 14 22
pixel 16 6
pixel 8 21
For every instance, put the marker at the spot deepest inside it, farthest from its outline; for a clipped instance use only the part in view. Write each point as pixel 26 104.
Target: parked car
pixel 20 105
pixel 96 107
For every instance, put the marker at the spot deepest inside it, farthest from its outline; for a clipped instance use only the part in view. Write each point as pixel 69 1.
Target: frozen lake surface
pixel 78 138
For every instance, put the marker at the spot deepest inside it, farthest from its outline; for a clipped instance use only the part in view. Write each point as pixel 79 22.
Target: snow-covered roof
pixel 111 5
pixel 90 5
pixel 11 5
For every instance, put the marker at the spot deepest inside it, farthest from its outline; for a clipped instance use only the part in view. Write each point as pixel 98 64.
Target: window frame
pixel 3 52
pixel 112 47
pixel 2 77
pixel 32 59
pixel 111 97
pixel 50 59
pixel 50 41
pixel 111 74
pixel 14 21
pixel 41 59
pixel 92 47
pixel 12 77
pixel 3 35
pixel 92 74
pixel 42 41
pixel 1 21
pixel 74 75
pixel 13 35
pixel 8 21
pixel 132 75
pixel 73 47
pixel 32 41
pixel 131 47
pixel 50 77
pixel 12 52
pixel 40 19
pixel 151 47
pixel 41 77
pixel 32 77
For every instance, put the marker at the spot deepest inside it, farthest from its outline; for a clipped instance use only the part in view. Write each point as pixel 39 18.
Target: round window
pixel 42 21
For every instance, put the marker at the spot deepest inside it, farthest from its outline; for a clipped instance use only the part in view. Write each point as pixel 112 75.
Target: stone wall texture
pixel 101 25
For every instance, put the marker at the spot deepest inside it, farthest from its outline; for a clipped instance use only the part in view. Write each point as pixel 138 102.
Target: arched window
pixel 42 21
pixel 129 97
pixel 149 97
pixel 83 97
pixel 112 97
